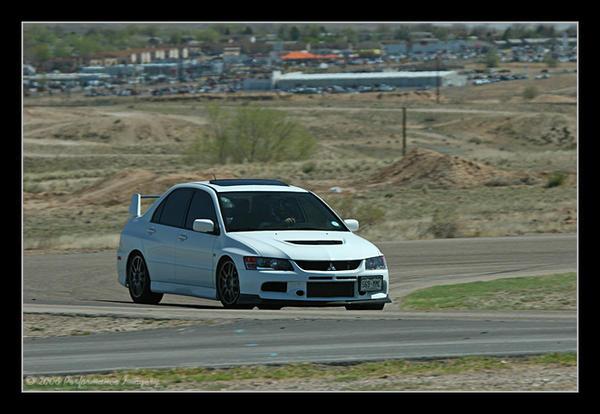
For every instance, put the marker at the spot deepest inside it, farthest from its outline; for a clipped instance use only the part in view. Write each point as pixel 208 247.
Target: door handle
pixel 182 237
pixel 150 230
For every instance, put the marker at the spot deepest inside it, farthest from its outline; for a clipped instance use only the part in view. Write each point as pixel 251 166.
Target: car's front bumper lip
pixel 246 299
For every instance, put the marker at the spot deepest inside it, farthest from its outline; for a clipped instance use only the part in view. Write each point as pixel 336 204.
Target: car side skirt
pixel 185 290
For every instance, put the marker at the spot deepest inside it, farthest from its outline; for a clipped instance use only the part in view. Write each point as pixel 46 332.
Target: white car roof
pixel 225 186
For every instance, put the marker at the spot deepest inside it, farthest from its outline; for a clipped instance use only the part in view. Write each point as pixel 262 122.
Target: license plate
pixel 370 283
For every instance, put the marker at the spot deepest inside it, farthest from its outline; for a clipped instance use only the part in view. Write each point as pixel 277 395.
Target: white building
pixel 403 79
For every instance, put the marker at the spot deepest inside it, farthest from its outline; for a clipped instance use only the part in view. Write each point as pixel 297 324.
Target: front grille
pixel 328 266
pixel 315 242
pixel 329 289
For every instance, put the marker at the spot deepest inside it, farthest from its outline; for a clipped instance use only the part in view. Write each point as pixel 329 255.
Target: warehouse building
pixel 405 79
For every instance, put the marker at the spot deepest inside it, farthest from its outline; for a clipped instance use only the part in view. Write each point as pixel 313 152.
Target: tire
pixel 228 286
pixel 138 281
pixel 366 306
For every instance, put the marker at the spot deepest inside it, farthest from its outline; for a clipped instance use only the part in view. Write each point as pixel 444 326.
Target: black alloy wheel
pixel 138 281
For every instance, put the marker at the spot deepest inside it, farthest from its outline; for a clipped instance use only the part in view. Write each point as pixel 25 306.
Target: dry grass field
pixel 482 162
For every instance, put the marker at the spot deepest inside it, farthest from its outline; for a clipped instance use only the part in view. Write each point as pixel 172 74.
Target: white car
pixel 248 243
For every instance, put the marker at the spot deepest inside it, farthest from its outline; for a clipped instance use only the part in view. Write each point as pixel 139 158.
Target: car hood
pixel 281 244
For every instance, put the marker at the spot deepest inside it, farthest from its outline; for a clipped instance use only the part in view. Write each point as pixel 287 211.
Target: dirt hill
pixel 540 130
pixel 437 170
pixel 118 188
pixel 108 127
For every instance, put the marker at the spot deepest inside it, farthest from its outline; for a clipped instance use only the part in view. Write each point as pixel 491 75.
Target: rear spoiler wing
pixel 135 208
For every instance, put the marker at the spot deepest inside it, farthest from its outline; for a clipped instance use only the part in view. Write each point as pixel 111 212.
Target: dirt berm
pixel 118 188
pixel 436 170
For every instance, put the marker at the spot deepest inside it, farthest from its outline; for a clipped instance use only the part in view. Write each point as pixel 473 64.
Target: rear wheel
pixel 138 281
pixel 228 286
pixel 366 306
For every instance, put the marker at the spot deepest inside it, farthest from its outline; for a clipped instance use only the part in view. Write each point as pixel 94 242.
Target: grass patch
pixel 552 292
pixel 346 375
pixel 556 179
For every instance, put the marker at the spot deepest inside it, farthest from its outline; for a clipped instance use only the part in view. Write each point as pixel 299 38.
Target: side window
pixel 158 211
pixel 202 207
pixel 175 208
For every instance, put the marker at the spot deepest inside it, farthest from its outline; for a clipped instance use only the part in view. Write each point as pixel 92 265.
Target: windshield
pixel 251 211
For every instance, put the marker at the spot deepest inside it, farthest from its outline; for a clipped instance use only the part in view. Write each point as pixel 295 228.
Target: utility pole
pixel 403 130
pixel 437 78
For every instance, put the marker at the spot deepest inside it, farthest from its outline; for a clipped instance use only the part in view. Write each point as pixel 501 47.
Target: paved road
pixel 86 284
pixel 284 341
pixel 90 278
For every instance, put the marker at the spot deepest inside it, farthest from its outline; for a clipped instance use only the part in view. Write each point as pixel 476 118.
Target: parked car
pixel 385 88
pixel 249 243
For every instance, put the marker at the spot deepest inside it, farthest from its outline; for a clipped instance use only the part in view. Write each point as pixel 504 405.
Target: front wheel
pixel 138 281
pixel 228 286
pixel 366 306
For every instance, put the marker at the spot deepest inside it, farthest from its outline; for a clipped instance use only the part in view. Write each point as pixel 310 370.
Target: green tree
pixel 207 35
pixel 282 32
pixel 350 35
pixel 175 38
pixel 86 46
pixel 294 33
pixel 149 30
pixel 251 134
pixel 40 53
pixel 402 33
pixel 491 58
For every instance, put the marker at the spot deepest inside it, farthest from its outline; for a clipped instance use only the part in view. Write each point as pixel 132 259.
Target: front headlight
pixel 375 263
pixel 266 263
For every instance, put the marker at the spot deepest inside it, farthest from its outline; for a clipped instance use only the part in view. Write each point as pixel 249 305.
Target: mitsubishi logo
pixel 331 267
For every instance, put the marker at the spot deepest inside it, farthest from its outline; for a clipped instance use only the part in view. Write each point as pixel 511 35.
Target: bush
pixel 308 167
pixel 443 226
pixel 530 92
pixel 368 215
pixel 550 61
pixel 556 179
pixel 251 134
pixel 347 207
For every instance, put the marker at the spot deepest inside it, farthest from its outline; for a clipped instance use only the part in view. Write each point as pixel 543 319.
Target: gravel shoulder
pixel 38 325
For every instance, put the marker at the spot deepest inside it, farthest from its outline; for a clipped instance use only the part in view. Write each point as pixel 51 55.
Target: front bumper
pixel 257 300
pixel 297 285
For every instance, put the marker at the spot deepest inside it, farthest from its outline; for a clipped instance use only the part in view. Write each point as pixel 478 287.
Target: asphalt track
pixel 285 341
pixel 85 283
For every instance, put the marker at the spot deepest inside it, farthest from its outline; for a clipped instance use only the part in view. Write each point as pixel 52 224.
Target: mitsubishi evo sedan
pixel 247 243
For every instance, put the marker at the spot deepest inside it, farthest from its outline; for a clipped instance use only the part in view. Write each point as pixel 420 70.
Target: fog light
pixel 300 292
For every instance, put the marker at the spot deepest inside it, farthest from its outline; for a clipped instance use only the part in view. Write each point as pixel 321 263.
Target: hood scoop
pixel 315 242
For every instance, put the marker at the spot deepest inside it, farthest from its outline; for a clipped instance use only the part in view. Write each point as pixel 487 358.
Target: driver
pixel 283 212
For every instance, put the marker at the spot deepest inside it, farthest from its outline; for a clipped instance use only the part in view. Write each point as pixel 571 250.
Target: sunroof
pixel 246 181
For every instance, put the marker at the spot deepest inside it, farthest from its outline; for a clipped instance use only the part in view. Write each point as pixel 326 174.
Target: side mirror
pixel 351 224
pixel 203 226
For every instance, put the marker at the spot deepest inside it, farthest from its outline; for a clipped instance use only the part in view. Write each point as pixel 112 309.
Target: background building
pixel 350 79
